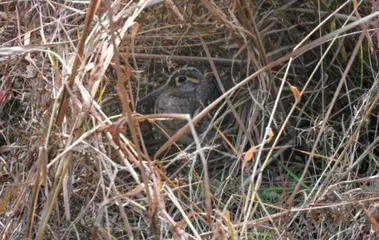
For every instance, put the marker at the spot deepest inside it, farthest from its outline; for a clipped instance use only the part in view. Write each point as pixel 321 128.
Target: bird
pixel 187 91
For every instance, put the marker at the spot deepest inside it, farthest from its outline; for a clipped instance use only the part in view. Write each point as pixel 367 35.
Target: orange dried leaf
pixel 314 214
pixel 270 134
pixel 296 93
pixel 114 130
pixel 249 154
pixel 339 217
pixel 135 190
pixel 371 218
pixel 8 194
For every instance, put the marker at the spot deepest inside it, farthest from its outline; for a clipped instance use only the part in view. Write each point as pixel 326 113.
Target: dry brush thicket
pixel 292 149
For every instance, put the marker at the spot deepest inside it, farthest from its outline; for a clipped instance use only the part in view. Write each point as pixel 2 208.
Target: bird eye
pixel 181 79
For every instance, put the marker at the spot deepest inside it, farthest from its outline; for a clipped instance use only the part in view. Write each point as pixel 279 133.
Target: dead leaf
pixel 139 188
pixel 248 156
pixel 270 134
pixel 315 214
pixel 10 192
pixel 295 91
pixel 338 217
pixel 371 218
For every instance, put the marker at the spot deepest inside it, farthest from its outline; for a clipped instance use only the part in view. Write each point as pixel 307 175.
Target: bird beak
pixel 151 97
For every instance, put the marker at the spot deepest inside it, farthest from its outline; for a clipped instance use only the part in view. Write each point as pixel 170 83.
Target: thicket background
pixel 293 152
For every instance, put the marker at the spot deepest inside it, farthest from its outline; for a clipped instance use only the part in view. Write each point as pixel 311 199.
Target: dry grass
pixel 292 151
